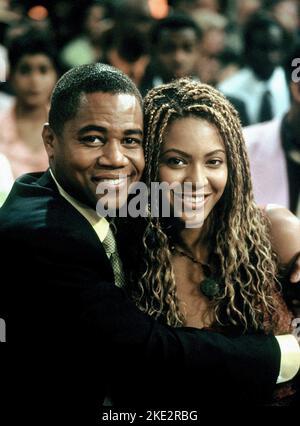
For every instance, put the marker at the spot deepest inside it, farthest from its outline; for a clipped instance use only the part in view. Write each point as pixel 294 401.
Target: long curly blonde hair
pixel 237 232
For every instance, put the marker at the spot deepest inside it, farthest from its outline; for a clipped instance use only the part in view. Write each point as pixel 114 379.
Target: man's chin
pixel 110 207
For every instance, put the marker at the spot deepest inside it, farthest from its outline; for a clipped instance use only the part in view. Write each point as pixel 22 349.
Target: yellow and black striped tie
pixel 110 246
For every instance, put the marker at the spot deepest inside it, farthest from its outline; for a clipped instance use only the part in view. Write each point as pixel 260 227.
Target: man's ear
pixel 295 91
pixel 49 139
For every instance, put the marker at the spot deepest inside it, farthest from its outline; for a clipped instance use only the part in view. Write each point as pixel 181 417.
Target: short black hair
pixel 32 42
pixel 81 80
pixel 260 20
pixel 175 22
pixel 130 45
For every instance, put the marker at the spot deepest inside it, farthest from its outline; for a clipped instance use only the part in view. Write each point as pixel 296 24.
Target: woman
pixel 222 274
pixel 33 73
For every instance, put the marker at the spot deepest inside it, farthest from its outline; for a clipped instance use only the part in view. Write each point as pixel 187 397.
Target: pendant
pixel 210 288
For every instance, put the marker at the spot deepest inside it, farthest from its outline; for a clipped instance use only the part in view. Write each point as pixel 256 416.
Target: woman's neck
pixel 193 240
pixel 35 113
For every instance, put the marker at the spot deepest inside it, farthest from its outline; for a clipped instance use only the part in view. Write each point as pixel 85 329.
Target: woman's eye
pixel 215 162
pixel 174 161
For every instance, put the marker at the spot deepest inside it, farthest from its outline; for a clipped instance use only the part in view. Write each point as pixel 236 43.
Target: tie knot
pixel 109 243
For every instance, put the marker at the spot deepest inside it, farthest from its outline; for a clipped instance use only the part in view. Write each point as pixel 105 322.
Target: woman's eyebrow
pixel 178 151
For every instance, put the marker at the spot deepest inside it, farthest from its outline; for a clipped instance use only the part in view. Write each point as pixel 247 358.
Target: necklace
pixel 208 286
pixel 175 249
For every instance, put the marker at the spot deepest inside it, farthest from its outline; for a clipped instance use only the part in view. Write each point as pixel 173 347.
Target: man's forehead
pixel 170 34
pixel 119 98
pixel 109 109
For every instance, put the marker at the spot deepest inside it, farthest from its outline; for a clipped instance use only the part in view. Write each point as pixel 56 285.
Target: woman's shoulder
pixel 280 216
pixel 284 231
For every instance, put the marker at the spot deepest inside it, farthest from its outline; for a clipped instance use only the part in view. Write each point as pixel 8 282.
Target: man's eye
pixel 132 141
pixel 92 140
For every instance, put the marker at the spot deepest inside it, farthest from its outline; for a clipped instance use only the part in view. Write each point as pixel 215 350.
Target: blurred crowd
pixel 242 47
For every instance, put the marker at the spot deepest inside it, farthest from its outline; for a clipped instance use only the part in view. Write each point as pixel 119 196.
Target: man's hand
pixel 296 329
pixel 294 275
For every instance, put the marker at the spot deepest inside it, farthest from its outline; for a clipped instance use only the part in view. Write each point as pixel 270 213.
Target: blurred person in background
pixel 86 48
pixel 286 12
pixel 134 15
pixel 212 44
pixel 8 18
pixel 174 50
pixel 127 51
pixel 274 150
pixel 192 6
pixel 261 83
pixel 6 178
pixel 33 74
pixel 176 46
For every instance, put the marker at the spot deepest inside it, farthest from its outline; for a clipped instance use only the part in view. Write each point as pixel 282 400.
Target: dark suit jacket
pixel 71 331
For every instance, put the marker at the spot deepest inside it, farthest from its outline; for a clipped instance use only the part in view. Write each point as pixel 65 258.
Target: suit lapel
pixel 72 221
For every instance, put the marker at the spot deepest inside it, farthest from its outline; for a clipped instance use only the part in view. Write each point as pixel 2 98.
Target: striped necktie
pixel 110 247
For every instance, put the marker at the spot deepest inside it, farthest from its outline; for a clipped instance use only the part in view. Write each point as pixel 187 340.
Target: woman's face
pixel 33 80
pixel 193 154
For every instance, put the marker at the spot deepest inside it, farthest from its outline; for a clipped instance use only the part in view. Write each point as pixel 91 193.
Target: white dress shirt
pixel 244 85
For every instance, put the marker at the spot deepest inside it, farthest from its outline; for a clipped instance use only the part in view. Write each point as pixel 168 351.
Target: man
pixel 175 43
pixel 274 150
pixel 80 332
pixel 127 51
pixel 261 83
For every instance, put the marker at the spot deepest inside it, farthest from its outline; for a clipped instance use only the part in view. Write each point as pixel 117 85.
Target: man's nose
pixel 179 56
pixel 113 155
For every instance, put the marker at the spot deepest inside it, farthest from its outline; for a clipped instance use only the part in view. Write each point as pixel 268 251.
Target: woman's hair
pixel 237 230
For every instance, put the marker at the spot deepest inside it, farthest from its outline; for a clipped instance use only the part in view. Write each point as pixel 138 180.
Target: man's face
pixel 102 142
pixel 265 52
pixel 135 70
pixel 177 53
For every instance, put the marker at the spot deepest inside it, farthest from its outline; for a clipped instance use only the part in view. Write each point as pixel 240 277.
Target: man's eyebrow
pixel 92 127
pixel 95 128
pixel 133 131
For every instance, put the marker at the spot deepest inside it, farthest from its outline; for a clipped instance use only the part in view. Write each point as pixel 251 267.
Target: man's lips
pixel 111 181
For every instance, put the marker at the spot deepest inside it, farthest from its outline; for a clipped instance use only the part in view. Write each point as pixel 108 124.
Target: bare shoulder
pixel 280 216
pixel 284 232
